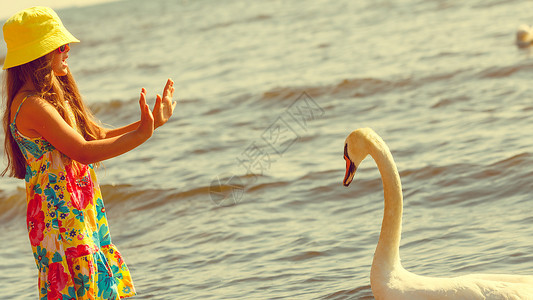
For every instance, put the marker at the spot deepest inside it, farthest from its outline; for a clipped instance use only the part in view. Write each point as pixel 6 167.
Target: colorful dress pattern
pixel 68 228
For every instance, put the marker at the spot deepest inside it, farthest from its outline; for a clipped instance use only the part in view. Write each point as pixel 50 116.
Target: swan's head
pixel 356 148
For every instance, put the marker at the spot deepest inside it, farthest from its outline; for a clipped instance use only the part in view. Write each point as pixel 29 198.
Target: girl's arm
pixel 163 109
pixel 109 133
pixel 40 116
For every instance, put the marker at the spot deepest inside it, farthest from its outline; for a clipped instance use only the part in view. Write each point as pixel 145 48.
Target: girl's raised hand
pixel 164 107
pixel 146 125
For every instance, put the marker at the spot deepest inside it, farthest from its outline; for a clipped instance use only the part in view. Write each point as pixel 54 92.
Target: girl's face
pixel 59 61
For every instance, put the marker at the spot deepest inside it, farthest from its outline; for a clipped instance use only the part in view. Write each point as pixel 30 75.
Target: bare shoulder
pixel 32 104
pixel 30 109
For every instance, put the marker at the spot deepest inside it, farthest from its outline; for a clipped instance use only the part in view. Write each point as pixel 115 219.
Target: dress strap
pixel 17 112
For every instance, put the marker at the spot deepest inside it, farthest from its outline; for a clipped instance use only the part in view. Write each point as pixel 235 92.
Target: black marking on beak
pixel 350 168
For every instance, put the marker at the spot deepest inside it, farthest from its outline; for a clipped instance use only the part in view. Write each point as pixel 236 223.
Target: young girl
pixel 53 143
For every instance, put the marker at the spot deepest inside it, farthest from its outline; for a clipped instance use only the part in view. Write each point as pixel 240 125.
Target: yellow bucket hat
pixel 32 33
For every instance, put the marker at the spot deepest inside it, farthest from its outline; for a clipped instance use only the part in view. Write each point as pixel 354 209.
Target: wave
pixel 362 293
pixel 467 184
pixel 303 256
pixel 476 171
pixel 124 109
pixel 490 4
pixel 505 71
pixel 224 192
pixel 450 101
pixel 13 206
pixel 357 87
pixel 118 194
pixel 257 18
pixel 347 88
pixel 515 160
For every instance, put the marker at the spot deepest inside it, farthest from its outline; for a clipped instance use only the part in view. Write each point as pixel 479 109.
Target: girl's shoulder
pixel 26 106
pixel 20 97
pixel 27 101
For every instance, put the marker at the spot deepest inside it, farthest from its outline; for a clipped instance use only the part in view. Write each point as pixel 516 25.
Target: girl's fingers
pixel 142 103
pixel 169 86
pixel 143 94
pixel 142 99
pixel 158 101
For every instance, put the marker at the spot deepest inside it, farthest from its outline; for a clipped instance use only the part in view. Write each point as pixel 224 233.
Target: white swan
pixel 388 279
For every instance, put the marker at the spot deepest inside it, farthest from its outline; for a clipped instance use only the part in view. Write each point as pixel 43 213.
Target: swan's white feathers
pixel 400 284
pixel 388 279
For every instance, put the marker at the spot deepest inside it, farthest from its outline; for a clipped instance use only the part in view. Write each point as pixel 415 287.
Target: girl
pixel 53 143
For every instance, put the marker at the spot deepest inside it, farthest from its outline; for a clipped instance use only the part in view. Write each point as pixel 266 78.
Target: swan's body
pixel 388 279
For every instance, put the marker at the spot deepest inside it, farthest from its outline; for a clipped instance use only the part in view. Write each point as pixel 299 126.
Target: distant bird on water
pixel 524 36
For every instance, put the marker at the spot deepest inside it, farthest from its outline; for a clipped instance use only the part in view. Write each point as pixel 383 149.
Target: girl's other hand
pixel 164 107
pixel 146 125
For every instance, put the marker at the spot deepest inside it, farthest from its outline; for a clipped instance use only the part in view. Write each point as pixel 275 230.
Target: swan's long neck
pixel 387 255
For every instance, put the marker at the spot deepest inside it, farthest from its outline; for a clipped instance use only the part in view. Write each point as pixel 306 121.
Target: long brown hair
pixel 54 89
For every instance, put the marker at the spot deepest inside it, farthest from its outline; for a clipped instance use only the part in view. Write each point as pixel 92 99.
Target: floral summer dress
pixel 67 226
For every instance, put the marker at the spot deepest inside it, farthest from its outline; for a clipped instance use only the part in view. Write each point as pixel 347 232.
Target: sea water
pixel 240 195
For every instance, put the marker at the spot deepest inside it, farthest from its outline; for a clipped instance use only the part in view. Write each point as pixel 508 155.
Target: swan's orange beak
pixel 350 172
pixel 350 168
